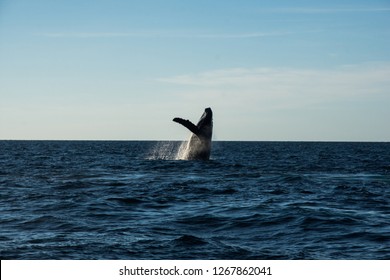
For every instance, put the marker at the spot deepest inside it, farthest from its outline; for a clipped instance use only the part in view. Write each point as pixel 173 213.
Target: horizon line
pixel 154 140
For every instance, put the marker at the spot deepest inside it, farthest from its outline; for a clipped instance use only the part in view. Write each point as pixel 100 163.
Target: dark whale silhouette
pixel 199 145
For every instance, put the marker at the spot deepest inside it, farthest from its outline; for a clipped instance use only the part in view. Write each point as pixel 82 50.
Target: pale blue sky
pixel 270 70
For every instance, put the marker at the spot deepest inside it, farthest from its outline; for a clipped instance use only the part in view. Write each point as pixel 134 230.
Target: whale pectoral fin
pixel 193 128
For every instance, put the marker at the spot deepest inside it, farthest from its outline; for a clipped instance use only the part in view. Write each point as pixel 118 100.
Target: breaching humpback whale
pixel 199 145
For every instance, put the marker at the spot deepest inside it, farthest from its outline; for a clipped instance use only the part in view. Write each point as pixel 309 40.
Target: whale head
pixel 206 118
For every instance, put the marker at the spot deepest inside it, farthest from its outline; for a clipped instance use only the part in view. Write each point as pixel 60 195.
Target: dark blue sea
pixel 137 200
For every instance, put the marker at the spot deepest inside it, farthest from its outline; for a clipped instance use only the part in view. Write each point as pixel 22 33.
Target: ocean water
pixel 138 200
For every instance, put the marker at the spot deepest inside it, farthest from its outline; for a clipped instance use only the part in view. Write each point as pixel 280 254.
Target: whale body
pixel 199 145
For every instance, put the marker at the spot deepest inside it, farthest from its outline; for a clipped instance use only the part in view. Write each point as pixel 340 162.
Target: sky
pixel 122 70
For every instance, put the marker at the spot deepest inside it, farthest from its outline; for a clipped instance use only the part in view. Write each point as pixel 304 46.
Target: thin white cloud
pixel 308 10
pixel 285 86
pixel 162 34
pixel 343 103
pixel 86 34
pixel 236 35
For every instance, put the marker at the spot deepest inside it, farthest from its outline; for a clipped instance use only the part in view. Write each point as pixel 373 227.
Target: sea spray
pixel 168 150
pixel 182 151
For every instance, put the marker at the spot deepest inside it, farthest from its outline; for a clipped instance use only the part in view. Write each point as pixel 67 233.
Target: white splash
pixel 166 150
pixel 182 151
